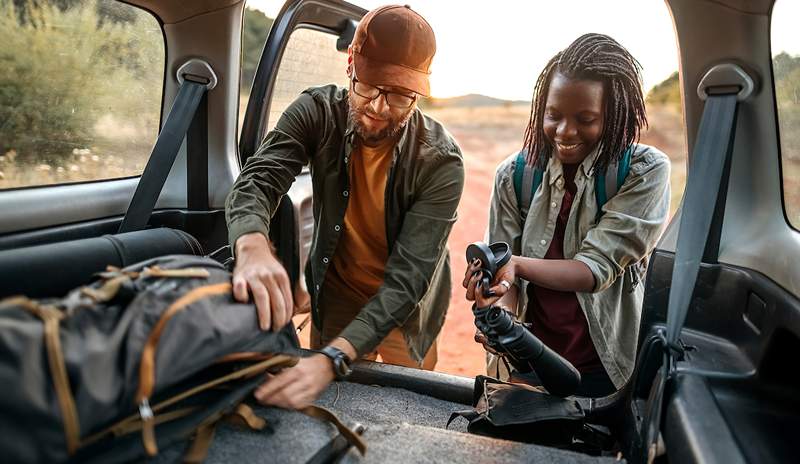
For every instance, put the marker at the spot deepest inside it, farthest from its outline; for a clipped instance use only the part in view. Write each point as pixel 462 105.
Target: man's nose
pixel 379 105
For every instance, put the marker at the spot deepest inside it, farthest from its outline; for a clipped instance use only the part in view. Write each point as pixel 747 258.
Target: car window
pixel 80 91
pixel 309 59
pixel 255 29
pixel 786 74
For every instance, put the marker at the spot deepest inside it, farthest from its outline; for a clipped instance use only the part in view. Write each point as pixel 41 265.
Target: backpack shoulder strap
pixel 526 181
pixel 608 184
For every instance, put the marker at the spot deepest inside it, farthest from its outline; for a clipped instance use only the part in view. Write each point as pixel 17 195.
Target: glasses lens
pixel 365 90
pixel 399 100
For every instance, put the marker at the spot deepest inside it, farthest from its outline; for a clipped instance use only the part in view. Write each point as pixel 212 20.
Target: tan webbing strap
pixel 51 317
pixel 134 424
pixel 349 435
pixel 189 272
pixel 203 437
pixel 244 356
pixel 147 371
pixel 115 278
pixel 147 374
pixel 107 291
pixel 244 416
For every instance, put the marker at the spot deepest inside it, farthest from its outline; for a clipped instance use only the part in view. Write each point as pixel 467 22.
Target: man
pixel 386 183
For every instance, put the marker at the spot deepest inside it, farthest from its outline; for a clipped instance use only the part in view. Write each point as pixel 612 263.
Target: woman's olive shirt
pixel 614 248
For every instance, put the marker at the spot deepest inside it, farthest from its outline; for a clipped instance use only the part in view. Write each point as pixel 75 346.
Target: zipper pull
pixel 148 428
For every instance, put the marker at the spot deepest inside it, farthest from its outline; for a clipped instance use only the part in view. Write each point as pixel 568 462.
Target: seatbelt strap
pixel 197 159
pixel 163 155
pixel 710 165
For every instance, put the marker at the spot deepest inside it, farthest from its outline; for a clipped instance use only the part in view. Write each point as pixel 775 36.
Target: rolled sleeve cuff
pixel 601 280
pixel 362 336
pixel 246 225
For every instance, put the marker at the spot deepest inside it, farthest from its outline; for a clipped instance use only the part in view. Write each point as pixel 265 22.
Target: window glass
pixel 310 59
pixel 80 90
pixel 254 33
pixel 786 72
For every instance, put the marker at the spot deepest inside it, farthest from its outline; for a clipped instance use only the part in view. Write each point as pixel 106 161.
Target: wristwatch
pixel 341 362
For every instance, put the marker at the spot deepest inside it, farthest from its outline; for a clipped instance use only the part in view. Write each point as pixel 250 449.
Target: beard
pixel 394 125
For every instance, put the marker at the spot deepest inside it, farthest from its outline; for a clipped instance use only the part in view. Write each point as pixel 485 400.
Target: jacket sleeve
pixel 270 172
pixel 632 221
pixel 414 256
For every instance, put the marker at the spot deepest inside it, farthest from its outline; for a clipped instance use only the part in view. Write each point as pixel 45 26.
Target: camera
pixel 525 351
pixel 511 338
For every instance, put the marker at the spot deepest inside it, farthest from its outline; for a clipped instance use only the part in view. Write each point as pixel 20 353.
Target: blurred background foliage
pixel 81 88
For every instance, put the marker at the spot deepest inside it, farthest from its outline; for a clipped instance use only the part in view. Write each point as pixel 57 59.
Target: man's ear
pixel 350 61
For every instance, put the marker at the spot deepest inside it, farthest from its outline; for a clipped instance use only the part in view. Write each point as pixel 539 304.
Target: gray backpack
pixel 146 356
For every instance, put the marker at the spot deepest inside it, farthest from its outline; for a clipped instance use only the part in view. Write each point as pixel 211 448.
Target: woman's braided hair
pixel 595 57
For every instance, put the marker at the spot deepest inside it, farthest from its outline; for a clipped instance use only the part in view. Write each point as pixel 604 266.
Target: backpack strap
pixel 527 180
pixel 606 186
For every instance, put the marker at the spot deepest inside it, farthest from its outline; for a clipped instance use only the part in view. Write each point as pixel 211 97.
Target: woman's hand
pixel 502 282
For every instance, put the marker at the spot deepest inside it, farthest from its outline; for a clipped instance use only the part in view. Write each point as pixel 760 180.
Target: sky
pixel 497 48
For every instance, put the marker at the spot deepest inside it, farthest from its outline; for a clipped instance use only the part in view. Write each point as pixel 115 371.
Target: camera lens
pixel 499 320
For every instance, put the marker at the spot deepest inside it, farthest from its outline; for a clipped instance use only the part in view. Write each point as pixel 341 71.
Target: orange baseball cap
pixel 394 45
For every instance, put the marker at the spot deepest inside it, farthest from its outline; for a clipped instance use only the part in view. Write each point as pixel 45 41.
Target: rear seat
pixel 53 269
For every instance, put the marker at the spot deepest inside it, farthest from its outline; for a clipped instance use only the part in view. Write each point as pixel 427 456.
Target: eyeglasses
pixel 370 92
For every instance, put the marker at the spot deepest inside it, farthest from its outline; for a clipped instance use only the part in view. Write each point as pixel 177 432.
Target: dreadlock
pixel 600 58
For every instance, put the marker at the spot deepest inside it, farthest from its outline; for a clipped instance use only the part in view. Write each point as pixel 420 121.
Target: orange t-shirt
pixel 356 271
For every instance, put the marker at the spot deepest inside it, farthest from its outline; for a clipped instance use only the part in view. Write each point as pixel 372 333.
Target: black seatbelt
pixel 197 159
pixel 182 113
pixel 707 180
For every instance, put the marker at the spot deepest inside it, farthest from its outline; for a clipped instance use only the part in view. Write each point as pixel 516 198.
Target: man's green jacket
pixel 423 188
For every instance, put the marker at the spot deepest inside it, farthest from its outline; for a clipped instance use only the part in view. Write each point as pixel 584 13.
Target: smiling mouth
pixel 567 146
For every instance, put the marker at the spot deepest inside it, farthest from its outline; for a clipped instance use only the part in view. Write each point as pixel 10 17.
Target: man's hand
pixel 259 272
pixel 299 386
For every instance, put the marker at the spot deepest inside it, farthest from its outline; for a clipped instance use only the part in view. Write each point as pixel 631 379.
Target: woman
pixel 577 266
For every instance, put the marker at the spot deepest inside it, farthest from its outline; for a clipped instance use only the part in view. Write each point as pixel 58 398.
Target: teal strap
pixel 624 167
pixel 605 187
pixel 526 181
pixel 519 171
pixel 600 192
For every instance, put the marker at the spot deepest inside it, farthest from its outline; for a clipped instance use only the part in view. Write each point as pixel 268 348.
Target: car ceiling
pixel 173 11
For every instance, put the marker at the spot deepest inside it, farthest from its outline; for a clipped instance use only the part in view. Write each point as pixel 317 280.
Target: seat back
pixel 53 269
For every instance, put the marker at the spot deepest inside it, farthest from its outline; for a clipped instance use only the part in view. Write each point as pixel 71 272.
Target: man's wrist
pixel 346 347
pixel 251 241
pixel 339 361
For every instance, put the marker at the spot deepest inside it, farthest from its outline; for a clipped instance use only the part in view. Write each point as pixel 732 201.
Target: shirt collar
pixel 557 169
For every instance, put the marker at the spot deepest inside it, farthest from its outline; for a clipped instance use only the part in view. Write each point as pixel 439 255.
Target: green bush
pixel 68 67
pixel 254 33
pixel 666 93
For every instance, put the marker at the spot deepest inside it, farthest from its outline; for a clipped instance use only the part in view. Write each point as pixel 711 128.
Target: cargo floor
pixel 401 426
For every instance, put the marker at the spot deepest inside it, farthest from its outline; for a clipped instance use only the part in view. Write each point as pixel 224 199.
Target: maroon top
pixel 557 317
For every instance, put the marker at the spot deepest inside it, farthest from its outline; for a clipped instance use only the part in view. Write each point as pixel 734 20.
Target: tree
pixel 254 35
